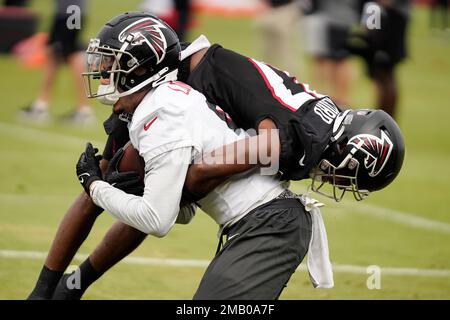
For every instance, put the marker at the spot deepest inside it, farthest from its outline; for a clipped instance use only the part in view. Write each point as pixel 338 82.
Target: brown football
pixel 132 161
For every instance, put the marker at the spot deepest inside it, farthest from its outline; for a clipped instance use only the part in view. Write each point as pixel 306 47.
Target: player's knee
pixel 85 206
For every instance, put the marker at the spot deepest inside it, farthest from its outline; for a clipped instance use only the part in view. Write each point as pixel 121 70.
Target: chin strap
pixel 155 80
pixel 171 76
pixel 107 99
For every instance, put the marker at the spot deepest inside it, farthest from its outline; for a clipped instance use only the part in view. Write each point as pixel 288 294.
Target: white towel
pixel 197 45
pixel 319 265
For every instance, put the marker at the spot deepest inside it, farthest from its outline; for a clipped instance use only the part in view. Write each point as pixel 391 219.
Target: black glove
pixel 88 169
pixel 129 182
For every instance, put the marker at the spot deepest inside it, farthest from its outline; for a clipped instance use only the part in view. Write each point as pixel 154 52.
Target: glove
pixel 129 182
pixel 88 169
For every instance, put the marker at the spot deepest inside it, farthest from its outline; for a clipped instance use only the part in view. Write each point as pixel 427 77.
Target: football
pixel 132 161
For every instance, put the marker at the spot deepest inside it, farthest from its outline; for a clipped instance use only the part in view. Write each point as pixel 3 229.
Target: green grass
pixel 38 183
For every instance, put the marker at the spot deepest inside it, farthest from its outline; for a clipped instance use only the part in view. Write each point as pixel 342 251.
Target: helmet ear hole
pixel 139 71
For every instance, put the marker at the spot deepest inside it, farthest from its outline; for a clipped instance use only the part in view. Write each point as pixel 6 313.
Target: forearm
pixel 128 208
pixel 156 211
pixel 217 166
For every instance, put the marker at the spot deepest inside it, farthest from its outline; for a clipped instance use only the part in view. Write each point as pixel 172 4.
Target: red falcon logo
pixel 378 150
pixel 148 31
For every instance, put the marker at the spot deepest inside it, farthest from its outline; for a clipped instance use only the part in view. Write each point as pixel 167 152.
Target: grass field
pixel 405 229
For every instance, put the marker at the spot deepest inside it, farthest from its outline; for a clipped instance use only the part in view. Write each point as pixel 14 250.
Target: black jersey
pixel 250 91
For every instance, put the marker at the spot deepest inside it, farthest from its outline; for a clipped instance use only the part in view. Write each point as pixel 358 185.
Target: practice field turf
pixel 405 230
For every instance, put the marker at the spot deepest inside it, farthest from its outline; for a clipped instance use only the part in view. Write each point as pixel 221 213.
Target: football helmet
pixel 132 51
pixel 365 154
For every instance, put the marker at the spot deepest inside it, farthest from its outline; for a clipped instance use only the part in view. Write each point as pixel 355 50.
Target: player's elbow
pixel 268 142
pixel 157 230
pixel 152 223
pixel 160 232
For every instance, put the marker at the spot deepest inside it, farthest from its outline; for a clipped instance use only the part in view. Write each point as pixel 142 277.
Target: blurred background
pixel 390 54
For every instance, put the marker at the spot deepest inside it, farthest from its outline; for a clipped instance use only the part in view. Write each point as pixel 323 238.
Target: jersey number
pixel 283 95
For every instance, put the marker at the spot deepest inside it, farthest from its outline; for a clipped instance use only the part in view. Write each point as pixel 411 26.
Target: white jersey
pixel 172 126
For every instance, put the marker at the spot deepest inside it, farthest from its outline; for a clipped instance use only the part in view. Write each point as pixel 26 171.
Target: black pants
pixel 262 252
pixel 63 41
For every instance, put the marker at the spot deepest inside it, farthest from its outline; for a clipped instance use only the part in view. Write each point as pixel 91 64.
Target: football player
pixel 357 151
pixel 136 59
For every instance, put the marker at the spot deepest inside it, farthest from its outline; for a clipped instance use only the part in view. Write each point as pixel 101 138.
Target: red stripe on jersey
pixel 306 90
pixel 270 87
pixel 220 110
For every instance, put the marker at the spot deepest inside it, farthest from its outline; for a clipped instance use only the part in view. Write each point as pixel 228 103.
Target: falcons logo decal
pixel 147 31
pixel 378 151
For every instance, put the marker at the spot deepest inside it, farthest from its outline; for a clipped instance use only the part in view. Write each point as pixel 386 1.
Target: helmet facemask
pixel 365 154
pixel 338 170
pixel 333 181
pixel 103 71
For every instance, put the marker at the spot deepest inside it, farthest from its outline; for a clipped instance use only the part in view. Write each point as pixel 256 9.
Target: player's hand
pixel 128 182
pixel 88 169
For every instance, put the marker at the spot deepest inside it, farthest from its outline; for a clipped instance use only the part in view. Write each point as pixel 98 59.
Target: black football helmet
pixel 126 43
pixel 366 154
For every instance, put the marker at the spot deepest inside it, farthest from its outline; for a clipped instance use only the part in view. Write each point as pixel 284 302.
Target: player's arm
pixel 157 210
pixel 246 154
